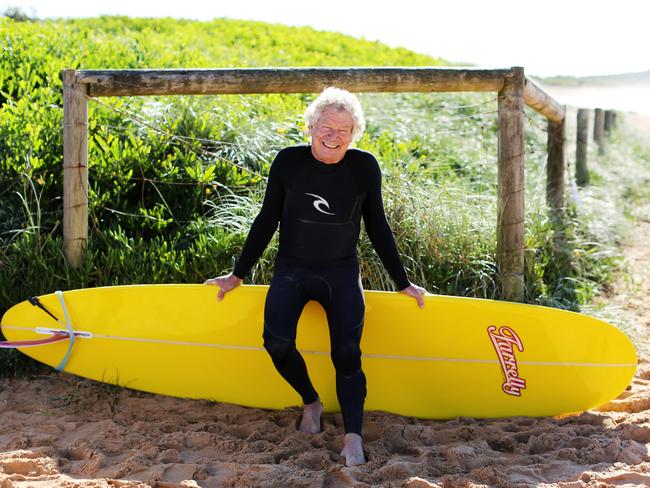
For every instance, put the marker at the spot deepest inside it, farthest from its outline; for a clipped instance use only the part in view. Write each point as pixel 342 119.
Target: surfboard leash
pixel 38 342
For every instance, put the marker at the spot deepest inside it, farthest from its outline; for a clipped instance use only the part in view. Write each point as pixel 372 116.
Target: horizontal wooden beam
pixel 537 99
pixel 137 82
pixel 288 80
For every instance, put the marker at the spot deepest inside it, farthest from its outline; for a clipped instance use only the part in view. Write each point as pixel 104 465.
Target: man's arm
pixel 383 240
pixel 259 235
pixel 379 231
pixel 266 222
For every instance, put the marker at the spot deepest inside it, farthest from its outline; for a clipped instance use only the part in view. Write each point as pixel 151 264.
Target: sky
pixel 547 38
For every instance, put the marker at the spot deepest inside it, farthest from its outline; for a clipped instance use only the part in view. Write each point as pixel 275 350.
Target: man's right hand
pixel 225 282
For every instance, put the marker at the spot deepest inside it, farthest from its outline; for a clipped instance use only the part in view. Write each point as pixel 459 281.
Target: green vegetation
pixel 175 182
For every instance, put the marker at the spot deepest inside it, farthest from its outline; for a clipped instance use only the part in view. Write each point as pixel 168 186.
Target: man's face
pixel 331 135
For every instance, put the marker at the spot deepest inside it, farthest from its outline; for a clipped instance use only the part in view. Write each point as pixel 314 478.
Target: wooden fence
pixel 513 88
pixel 604 125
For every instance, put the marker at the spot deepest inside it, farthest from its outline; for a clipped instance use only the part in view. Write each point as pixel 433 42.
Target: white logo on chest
pixel 320 201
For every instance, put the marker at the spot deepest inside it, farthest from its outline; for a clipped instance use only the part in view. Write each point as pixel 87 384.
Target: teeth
pixel 330 146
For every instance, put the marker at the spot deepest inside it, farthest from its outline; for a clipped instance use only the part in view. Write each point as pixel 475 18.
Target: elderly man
pixel 318 194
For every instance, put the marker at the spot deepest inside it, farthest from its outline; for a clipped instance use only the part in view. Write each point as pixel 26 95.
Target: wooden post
pixel 562 253
pixel 75 168
pixel 555 169
pixel 582 138
pixel 599 125
pixel 510 204
pixel 609 122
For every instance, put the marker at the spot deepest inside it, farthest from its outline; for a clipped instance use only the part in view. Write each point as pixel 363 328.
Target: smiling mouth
pixel 331 146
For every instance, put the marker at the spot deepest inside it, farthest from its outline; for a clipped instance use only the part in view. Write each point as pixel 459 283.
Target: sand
pixel 59 430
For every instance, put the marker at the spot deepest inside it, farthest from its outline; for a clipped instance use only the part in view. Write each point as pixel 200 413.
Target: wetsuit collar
pixel 325 167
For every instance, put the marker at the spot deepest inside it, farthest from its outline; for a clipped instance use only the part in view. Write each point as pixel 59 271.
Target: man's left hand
pixel 416 292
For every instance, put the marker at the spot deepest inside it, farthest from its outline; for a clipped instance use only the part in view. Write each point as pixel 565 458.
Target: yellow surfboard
pixel 455 357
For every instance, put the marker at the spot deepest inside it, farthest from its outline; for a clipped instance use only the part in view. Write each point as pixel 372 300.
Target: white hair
pixel 341 100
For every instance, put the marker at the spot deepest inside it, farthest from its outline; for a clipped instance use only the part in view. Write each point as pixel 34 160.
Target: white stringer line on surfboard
pixel 89 335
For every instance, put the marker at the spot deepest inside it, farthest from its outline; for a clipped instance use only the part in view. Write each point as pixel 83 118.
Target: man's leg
pixel 351 392
pixel 350 379
pixel 284 304
pixel 345 314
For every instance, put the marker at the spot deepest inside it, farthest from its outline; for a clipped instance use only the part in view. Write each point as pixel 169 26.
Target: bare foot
pixel 353 450
pixel 310 422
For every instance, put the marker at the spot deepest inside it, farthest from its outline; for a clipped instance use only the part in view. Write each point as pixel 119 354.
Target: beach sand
pixel 59 430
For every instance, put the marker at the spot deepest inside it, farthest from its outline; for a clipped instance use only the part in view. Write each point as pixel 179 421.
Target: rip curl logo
pixel 505 340
pixel 320 201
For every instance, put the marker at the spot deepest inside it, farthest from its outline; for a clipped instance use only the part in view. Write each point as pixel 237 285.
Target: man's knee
pixel 346 357
pixel 280 350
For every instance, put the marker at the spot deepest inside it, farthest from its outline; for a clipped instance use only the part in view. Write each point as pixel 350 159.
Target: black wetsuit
pixel 319 208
